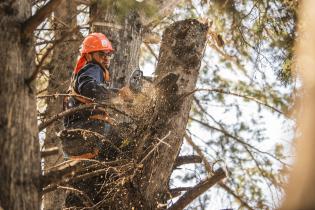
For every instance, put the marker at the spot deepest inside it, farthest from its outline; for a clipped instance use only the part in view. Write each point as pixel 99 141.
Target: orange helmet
pixel 92 43
pixel 96 42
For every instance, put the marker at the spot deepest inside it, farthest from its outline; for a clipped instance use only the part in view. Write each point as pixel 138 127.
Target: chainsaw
pixel 136 81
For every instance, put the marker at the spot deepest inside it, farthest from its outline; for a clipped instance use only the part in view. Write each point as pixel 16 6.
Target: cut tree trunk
pixel 61 67
pixel 180 56
pixel 19 145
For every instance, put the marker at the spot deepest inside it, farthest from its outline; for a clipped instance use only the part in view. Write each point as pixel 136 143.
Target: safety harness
pixel 101 116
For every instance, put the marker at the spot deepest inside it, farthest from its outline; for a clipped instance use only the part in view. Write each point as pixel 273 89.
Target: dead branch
pixel 93 104
pixel 73 171
pixel 31 24
pixel 99 136
pixel 82 196
pixel 182 160
pixel 48 51
pixel 196 191
pixel 75 177
pixel 56 95
pixel 175 192
pixel 151 51
pixel 66 113
pixel 56 175
pixel 85 2
pixel 180 189
pixel 96 163
pixel 200 153
pixel 49 152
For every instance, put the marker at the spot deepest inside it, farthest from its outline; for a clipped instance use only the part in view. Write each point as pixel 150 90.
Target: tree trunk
pixel 124 32
pixel 62 64
pixel 301 191
pixel 19 145
pixel 180 55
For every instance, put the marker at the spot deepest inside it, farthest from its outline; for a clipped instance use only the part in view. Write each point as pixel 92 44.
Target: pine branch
pixel 233 94
pixel 237 197
pixel 238 139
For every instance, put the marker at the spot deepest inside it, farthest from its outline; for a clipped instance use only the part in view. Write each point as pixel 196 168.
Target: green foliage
pixel 124 7
pixel 253 30
pixel 249 77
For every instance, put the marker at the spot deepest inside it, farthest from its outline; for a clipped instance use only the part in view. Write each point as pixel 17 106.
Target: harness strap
pixel 103 117
pixel 89 155
pixel 106 75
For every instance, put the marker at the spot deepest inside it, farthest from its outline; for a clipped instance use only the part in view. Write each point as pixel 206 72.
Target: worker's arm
pixel 90 83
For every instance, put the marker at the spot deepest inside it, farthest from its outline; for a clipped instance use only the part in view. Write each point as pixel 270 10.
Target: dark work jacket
pixel 89 82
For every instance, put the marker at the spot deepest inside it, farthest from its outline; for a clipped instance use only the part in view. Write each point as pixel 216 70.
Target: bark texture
pixel 61 67
pixel 178 68
pixel 19 145
pixel 125 33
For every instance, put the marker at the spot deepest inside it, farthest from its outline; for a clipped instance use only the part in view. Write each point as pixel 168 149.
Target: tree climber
pixel 90 82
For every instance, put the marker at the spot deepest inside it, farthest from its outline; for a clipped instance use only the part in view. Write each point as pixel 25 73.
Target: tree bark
pixel 125 33
pixel 181 52
pixel 19 145
pixel 301 191
pixel 62 64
